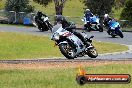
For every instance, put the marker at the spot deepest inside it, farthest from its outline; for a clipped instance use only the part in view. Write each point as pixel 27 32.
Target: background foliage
pixel 18 6
pixel 99 7
pixel 127 11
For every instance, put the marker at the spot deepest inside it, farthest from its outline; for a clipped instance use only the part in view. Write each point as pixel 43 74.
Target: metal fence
pixel 15 18
pixel 125 23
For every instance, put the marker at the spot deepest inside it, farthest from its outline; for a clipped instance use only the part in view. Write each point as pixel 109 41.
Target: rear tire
pixel 40 29
pixel 64 52
pixel 112 33
pixel 100 29
pixel 88 29
pixel 113 36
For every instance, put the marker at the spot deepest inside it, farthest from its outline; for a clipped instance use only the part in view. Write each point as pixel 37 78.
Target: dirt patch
pixel 53 65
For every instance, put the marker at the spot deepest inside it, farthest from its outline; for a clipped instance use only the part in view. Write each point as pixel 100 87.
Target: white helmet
pixel 106 15
pixel 87 10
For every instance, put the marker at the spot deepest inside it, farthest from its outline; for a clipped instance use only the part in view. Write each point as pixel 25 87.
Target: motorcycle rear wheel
pixel 40 29
pixel 100 29
pixel 113 36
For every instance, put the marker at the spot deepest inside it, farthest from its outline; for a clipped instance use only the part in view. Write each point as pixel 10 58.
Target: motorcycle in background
pixel 93 24
pixel 43 23
pixel 114 29
pixel 71 46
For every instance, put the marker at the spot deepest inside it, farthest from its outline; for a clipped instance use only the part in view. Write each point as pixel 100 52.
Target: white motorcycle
pixel 71 46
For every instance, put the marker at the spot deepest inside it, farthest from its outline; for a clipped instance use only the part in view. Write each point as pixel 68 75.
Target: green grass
pixel 23 46
pixel 13 46
pixel 106 47
pixel 59 78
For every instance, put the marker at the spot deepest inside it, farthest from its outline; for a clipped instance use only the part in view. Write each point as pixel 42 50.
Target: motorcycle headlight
pixel 112 28
pixel 97 20
pixel 56 36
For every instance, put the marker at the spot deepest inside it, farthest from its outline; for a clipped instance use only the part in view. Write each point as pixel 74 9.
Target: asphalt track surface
pixel 99 36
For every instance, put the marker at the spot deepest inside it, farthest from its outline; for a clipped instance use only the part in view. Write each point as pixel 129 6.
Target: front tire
pixel 49 26
pixel 92 52
pixel 65 50
pixel 120 33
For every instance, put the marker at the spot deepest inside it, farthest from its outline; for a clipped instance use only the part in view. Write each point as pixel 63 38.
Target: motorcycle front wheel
pixel 49 26
pixel 67 51
pixel 92 52
pixel 120 33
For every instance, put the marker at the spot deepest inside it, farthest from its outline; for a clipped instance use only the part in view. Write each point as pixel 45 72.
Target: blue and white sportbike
pixel 114 29
pixel 93 24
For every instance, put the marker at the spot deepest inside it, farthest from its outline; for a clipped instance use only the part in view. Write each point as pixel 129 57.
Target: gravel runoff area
pixel 62 65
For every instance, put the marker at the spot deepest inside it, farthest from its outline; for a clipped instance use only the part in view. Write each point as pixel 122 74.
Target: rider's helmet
pixel 106 16
pixel 87 10
pixel 60 18
pixel 39 13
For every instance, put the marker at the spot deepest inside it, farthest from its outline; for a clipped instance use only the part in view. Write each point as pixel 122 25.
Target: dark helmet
pixel 60 18
pixel 39 13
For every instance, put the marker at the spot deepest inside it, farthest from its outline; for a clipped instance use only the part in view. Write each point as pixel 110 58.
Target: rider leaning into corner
pixel 107 19
pixel 38 19
pixel 67 26
pixel 39 15
pixel 87 15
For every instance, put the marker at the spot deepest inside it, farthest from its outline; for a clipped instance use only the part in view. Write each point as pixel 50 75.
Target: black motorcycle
pixel 42 22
